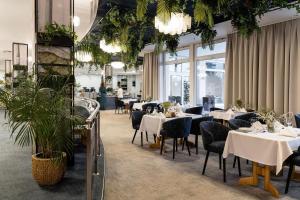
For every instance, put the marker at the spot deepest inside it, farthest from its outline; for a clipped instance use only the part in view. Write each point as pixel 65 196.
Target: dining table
pixel 139 105
pixel 264 149
pixel 153 123
pixel 225 115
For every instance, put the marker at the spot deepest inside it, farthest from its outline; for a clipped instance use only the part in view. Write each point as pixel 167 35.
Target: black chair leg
pixel 154 137
pixel 182 145
pixel 196 143
pixel 187 145
pixel 220 161
pixel 147 136
pixel 134 136
pixel 162 144
pixel 176 144
pixel 174 140
pixel 224 170
pixel 205 162
pixel 239 165
pixel 234 161
pixel 141 138
pixel 289 176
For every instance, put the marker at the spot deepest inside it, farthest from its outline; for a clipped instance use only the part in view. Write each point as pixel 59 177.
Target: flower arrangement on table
pixel 269 117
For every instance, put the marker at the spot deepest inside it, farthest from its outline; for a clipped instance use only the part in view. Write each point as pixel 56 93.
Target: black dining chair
pixel 294 161
pixel 238 123
pixel 176 128
pixel 136 120
pixel 152 105
pixel 247 116
pixel 297 119
pixel 194 110
pixel 195 128
pixel 119 105
pixel 214 136
pixel 130 107
pixel 214 109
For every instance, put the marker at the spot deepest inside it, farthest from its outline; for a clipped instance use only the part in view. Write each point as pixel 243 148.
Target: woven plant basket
pixel 46 172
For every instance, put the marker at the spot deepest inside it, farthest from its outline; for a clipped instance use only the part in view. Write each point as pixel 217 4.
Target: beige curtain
pixel 264 69
pixel 151 76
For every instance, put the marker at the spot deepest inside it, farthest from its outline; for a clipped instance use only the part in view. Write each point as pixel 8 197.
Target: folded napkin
pixel 229 111
pixel 242 110
pixel 257 126
pixel 289 132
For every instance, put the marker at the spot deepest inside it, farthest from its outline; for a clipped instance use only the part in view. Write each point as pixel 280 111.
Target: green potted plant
pixel 41 117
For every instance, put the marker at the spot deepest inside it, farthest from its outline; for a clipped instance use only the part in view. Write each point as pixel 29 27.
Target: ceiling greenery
pixel 133 28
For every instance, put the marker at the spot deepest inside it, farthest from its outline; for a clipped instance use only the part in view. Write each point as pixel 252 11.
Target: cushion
pixel 216 147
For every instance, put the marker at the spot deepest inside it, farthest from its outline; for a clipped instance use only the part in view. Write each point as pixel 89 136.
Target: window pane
pixel 218 48
pixel 210 81
pixel 182 54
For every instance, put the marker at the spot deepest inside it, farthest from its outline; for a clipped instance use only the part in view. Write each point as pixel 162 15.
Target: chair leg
pixel 182 145
pixel 147 136
pixel 234 161
pixel 205 162
pixel 187 145
pixel 239 166
pixel 154 137
pixel 289 176
pixel 224 170
pixel 134 136
pixel 174 140
pixel 196 143
pixel 141 138
pixel 162 144
pixel 220 161
pixel 176 144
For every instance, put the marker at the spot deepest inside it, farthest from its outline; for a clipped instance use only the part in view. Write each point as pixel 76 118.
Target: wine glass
pixel 155 110
pixel 149 109
pixel 289 119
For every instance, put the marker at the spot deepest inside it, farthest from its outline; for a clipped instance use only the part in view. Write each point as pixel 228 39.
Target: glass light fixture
pixel 76 21
pixel 178 23
pixel 83 56
pixel 110 48
pixel 117 64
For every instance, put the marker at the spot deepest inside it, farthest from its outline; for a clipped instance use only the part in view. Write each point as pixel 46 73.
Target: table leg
pixel 253 180
pixel 156 145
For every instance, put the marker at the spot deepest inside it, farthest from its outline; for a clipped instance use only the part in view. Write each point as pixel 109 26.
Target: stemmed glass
pixel 149 109
pixel 289 119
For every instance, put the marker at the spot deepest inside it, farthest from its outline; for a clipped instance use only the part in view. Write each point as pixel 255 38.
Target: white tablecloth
pixel 220 114
pixel 264 148
pixel 153 123
pixel 126 101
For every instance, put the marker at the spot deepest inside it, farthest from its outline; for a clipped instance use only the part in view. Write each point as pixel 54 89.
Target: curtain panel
pixel 263 70
pixel 151 76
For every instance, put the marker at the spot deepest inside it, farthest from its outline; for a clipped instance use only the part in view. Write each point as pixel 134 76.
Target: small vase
pixel 270 126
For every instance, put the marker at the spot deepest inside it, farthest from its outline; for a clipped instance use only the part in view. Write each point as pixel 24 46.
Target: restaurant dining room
pixel 149 99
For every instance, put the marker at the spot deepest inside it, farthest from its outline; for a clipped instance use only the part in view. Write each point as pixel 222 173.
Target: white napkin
pixel 257 126
pixel 243 110
pixel 289 132
pixel 229 111
pixel 180 114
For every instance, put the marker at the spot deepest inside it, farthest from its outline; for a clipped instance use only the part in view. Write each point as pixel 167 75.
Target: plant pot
pixel 46 172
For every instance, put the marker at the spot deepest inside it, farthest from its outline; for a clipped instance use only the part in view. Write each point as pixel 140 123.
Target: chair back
pixel 194 110
pixel 130 104
pixel 247 116
pixel 152 105
pixel 297 119
pixel 237 123
pixel 213 131
pixel 136 118
pixel 178 128
pixel 195 128
pixel 213 109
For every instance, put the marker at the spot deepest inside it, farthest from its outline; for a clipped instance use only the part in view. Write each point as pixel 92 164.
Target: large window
pixel 176 72
pixel 210 69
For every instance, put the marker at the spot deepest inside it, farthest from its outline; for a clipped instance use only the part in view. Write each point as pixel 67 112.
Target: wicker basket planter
pixel 46 172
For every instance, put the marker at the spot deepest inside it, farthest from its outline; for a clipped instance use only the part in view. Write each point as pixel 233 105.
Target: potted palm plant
pixel 41 117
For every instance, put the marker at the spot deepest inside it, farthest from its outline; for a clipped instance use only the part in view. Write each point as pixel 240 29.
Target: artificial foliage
pixel 133 27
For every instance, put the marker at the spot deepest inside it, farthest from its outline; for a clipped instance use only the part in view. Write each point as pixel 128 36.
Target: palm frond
pixel 203 13
pixel 141 9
